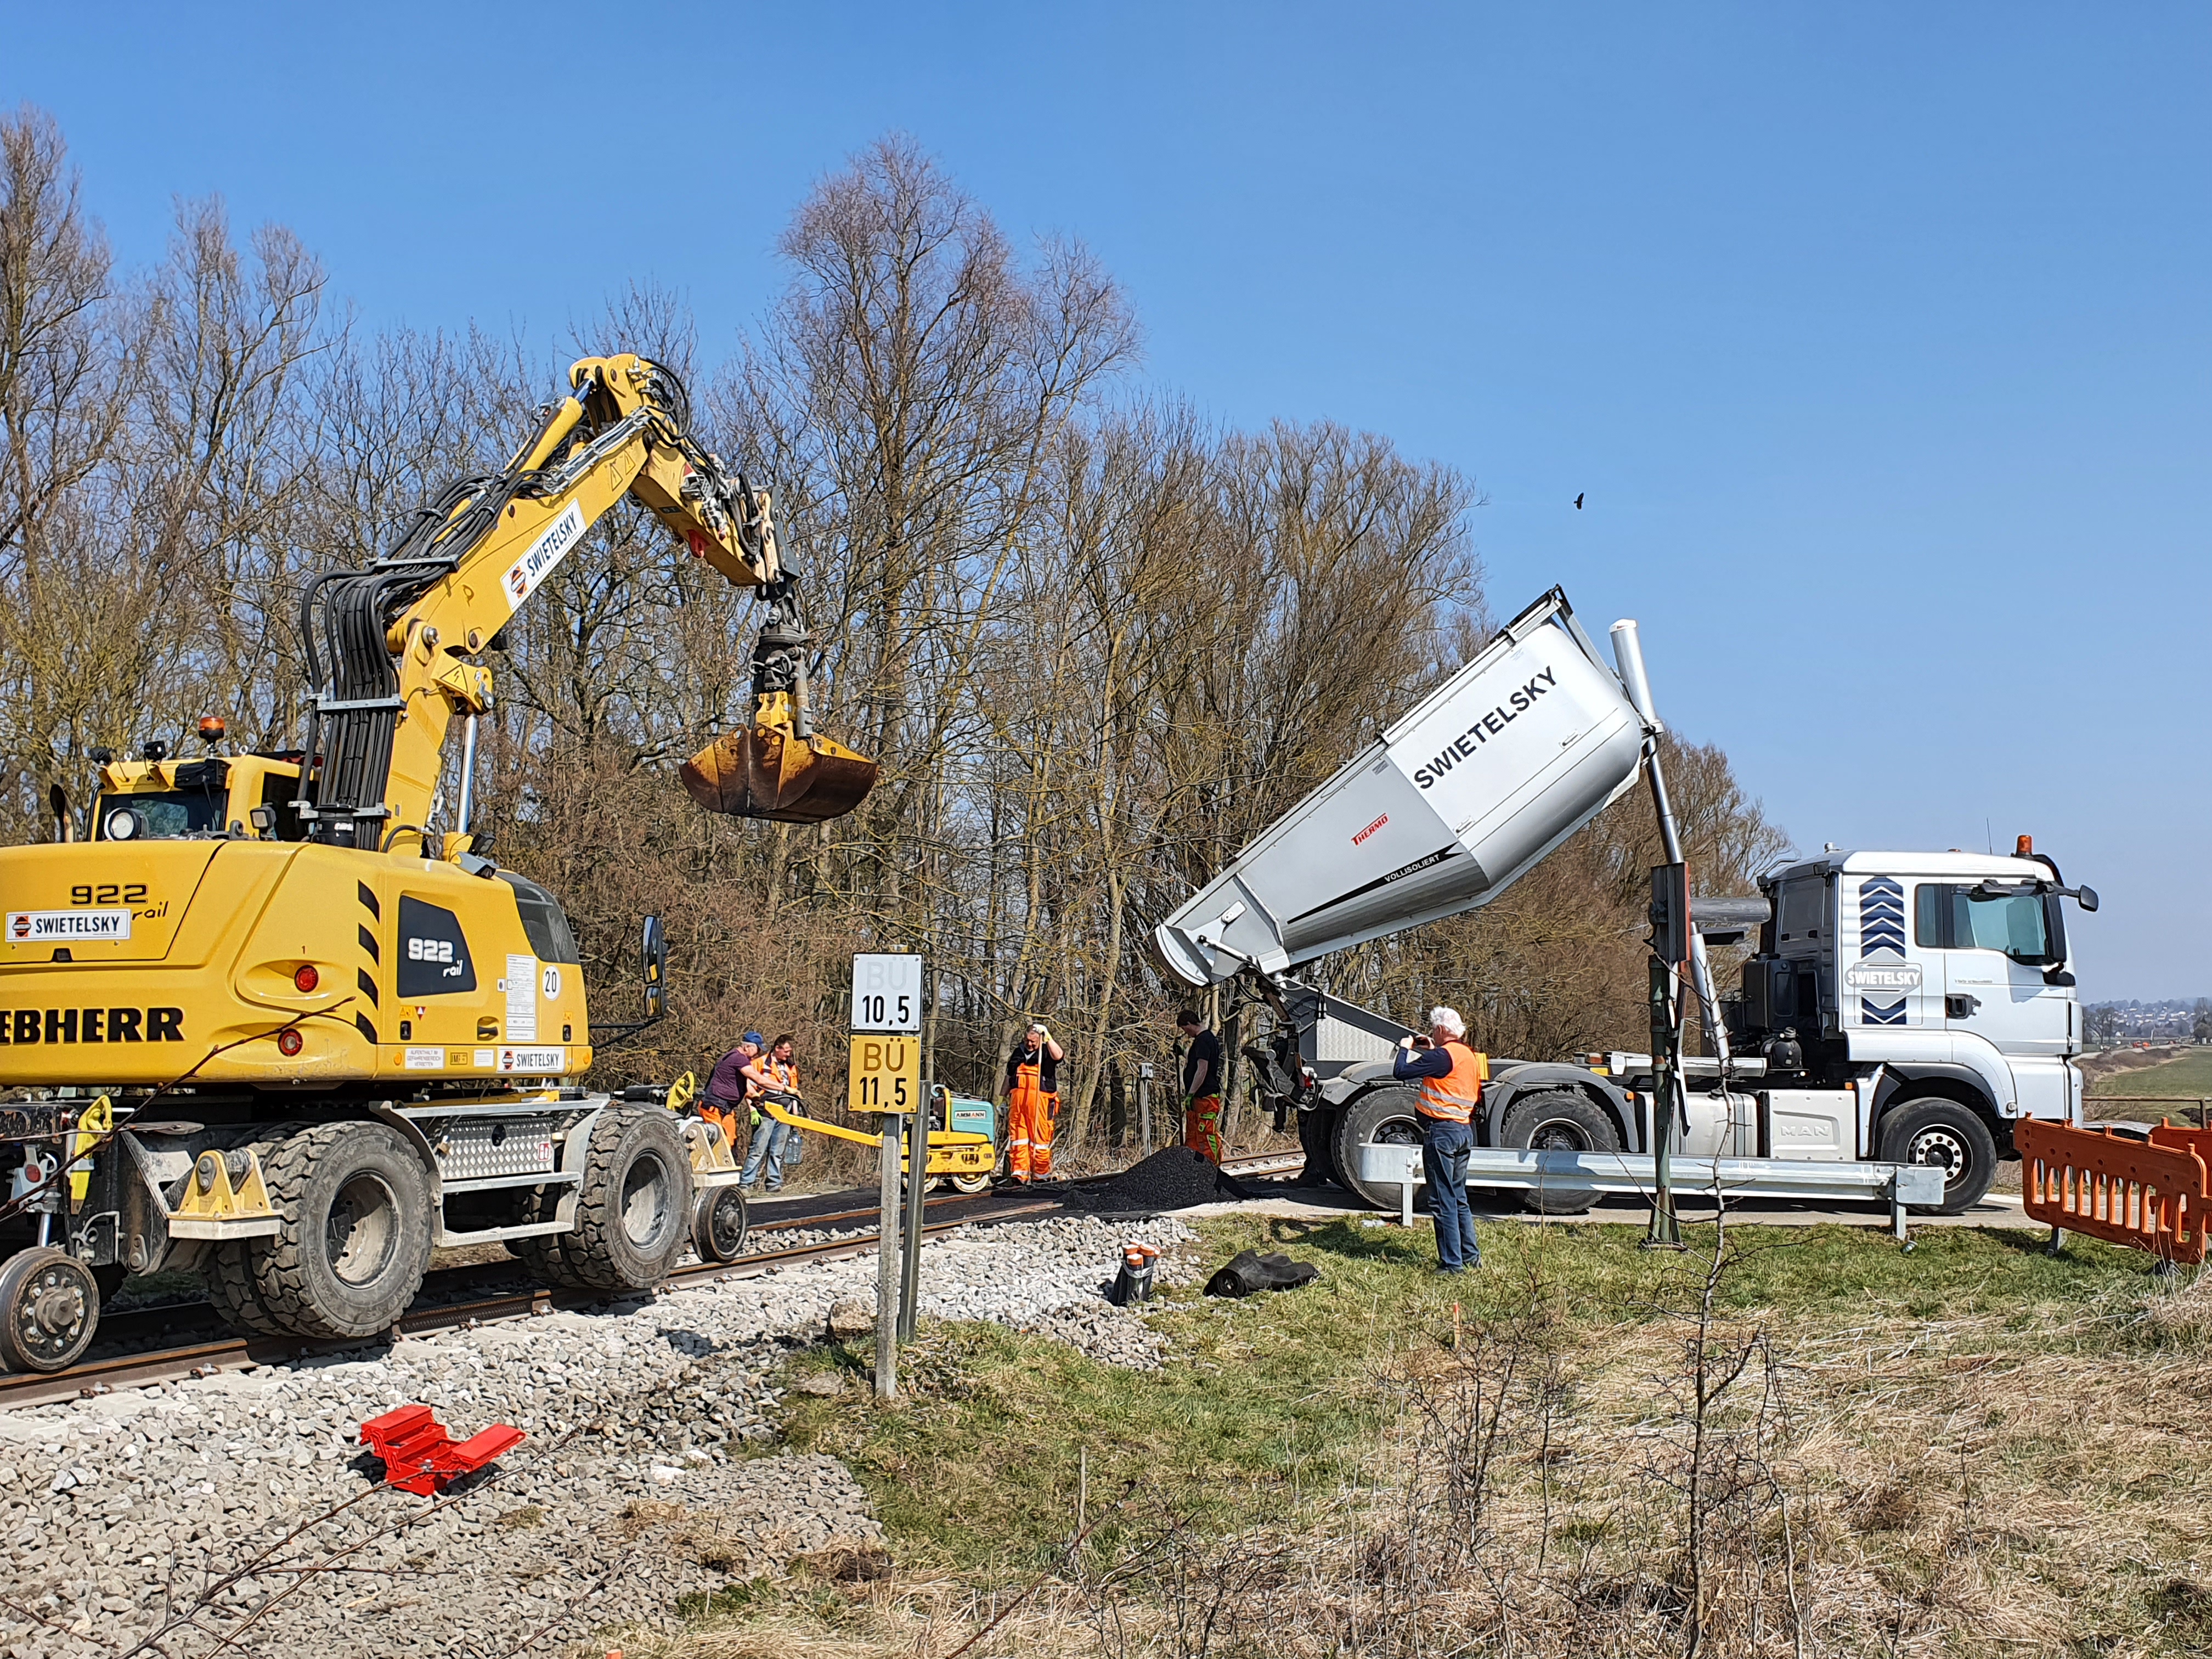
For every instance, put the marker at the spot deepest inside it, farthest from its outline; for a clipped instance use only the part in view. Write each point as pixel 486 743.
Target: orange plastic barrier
pixel 2182 1137
pixel 2152 1195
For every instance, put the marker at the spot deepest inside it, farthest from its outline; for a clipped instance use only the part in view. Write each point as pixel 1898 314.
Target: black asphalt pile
pixel 1174 1178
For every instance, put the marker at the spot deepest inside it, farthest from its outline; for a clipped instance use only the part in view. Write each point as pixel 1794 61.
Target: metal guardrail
pixel 1630 1173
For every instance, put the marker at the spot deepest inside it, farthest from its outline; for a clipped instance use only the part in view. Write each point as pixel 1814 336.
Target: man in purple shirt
pixel 726 1088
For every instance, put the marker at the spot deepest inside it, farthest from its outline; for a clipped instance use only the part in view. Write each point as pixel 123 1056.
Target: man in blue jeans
pixel 1451 1075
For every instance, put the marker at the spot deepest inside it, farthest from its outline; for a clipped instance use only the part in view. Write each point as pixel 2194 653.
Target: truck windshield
pixel 170 813
pixel 1948 918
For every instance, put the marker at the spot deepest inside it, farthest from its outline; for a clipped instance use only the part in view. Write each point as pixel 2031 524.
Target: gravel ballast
pixel 647 1474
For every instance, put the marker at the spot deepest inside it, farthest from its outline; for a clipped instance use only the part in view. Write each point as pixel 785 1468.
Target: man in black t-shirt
pixel 1032 1103
pixel 1202 1087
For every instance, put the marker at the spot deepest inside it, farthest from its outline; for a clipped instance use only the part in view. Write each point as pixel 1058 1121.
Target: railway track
pixel 208 1347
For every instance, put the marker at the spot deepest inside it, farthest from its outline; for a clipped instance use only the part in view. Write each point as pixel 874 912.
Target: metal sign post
pixel 884 1077
pixel 887 1263
pixel 917 1184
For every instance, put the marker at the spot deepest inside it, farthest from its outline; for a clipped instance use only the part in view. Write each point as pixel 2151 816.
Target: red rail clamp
pixel 420 1457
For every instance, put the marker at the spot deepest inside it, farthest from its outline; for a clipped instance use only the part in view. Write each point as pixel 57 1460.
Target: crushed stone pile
pixel 1174 1178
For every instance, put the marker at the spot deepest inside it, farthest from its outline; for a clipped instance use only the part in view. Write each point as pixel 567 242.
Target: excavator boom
pixel 394 649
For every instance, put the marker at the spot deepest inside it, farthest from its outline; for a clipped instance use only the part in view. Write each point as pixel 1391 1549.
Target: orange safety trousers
pixel 726 1118
pixel 1202 1127
pixel 1029 1125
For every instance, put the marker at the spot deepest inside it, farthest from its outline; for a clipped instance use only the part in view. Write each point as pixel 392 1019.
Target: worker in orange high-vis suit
pixel 1451 1075
pixel 1032 1103
pixel 1202 1087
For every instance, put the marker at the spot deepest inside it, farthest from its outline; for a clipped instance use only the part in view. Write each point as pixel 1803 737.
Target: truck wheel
pixel 49 1309
pixel 1558 1120
pixel 356 1238
pixel 969 1185
pixel 719 1224
pixel 636 1206
pixel 1942 1132
pixel 1317 1140
pixel 1381 1117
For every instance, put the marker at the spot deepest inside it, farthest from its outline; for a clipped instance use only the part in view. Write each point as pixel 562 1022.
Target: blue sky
pixel 1877 336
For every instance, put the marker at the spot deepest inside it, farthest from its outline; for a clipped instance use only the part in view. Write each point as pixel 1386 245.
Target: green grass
pixel 2190 1075
pixel 1271 1401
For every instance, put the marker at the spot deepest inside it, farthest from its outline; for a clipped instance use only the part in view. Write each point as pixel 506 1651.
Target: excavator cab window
pixel 165 814
pixel 277 790
pixel 543 921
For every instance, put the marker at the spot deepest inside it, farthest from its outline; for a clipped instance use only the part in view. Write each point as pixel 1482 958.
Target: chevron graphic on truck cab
pixel 1881 930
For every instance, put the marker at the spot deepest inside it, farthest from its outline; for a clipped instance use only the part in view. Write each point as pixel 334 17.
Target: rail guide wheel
pixel 49 1310
pixel 720 1223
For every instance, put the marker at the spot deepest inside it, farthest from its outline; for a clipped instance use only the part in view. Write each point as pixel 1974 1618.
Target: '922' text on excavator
pixel 266 1021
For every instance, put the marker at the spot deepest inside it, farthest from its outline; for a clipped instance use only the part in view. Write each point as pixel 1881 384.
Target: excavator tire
pixel 230 1289
pixel 356 1239
pixel 227 1271
pixel 1381 1115
pixel 633 1213
pixel 540 1254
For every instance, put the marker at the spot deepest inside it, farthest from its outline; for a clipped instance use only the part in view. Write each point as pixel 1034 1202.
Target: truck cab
pixel 1914 978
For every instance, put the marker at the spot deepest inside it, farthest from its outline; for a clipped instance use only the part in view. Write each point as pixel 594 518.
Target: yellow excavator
pixel 267 1017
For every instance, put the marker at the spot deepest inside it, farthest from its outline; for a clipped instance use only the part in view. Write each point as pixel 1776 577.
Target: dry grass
pixel 1816 1447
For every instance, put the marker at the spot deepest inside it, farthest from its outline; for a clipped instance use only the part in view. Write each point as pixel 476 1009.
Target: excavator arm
pixel 395 650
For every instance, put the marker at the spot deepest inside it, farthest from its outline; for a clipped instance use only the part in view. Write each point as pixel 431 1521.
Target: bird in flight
pixel 1578 500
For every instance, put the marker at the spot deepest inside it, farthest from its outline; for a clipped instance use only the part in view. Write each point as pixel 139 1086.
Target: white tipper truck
pixel 1901 1009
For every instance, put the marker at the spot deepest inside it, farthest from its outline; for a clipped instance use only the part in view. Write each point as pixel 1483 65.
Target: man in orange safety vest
pixel 1451 1075
pixel 1032 1103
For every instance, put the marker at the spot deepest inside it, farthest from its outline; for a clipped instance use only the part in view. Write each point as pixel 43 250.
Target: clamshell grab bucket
pixel 770 772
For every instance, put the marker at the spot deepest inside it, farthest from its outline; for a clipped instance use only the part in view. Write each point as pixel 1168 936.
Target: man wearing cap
pixel 728 1097
pixel 1032 1103
pixel 1451 1075
pixel 768 1135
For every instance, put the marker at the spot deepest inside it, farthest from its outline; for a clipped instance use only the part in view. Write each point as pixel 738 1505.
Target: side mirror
pixel 58 803
pixel 2087 898
pixel 654 954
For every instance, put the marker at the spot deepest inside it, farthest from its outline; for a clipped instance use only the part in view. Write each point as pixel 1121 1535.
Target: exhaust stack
pixel 1628 658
